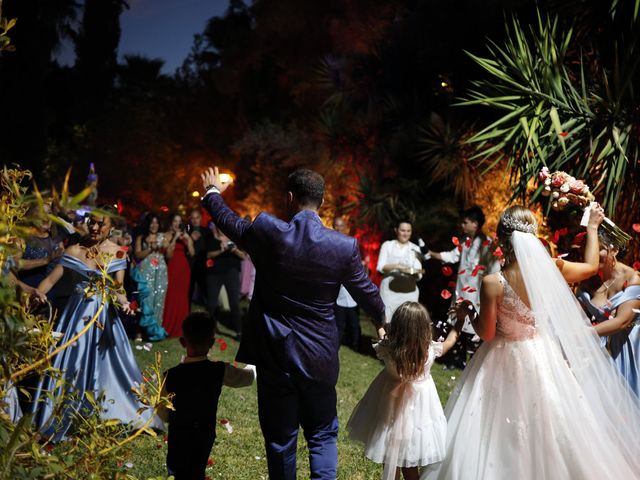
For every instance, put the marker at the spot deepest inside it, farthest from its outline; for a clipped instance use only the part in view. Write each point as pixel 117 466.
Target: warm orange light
pixel 443 84
pixel 226 178
pixel 195 194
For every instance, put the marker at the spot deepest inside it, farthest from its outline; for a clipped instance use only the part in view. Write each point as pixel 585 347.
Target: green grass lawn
pixel 240 455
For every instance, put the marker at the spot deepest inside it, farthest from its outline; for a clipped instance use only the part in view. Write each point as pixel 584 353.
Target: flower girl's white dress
pixel 519 413
pixel 401 423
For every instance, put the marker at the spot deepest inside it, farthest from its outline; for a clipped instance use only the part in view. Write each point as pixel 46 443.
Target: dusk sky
pixel 161 29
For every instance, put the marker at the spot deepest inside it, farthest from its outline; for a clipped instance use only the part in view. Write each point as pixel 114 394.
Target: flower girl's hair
pixel 409 338
pixel 515 218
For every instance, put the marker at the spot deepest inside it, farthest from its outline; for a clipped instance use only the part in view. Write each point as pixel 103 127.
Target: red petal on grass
pixel 446 294
pixel 563 134
pixel 210 461
pixel 636 227
pixel 455 240
pixel 447 271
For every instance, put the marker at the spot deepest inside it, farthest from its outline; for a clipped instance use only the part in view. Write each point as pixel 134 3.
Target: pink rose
pixel 557 181
pixel 577 187
pixel 544 174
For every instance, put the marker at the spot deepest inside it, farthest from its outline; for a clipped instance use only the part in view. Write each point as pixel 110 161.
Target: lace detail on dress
pixel 515 320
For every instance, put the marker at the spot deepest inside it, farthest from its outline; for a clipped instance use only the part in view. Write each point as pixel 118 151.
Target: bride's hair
pixel 409 339
pixel 515 218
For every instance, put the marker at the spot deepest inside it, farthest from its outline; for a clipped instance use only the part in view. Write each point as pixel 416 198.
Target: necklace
pixel 607 285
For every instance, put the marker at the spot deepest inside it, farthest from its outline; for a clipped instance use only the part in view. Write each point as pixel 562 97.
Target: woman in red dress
pixel 179 250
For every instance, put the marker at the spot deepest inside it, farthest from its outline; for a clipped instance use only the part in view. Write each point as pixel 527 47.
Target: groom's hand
pixel 211 178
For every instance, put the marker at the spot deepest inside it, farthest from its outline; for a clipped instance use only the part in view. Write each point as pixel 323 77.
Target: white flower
pixel 546 191
pixel 547 181
pixel 555 195
pixel 565 187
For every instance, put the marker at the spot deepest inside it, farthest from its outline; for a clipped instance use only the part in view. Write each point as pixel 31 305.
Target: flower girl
pixel 400 418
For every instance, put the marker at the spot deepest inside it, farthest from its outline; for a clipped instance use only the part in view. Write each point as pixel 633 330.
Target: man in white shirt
pixel 347 312
pixel 474 253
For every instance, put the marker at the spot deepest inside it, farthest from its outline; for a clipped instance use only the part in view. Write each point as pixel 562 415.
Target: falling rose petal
pixel 636 227
pixel 498 252
pixel 465 288
pixel 210 461
pixel 460 248
pixel 124 248
pixel 455 241
pixel 451 284
pixel 210 262
pixel 636 265
pixel 471 290
pixel 461 272
pixel 155 262
pixel 467 243
pixel 446 294
pixel 447 271
pixel 223 345
pixel 486 243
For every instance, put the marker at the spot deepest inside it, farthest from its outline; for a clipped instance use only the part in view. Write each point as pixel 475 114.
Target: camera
pixel 230 245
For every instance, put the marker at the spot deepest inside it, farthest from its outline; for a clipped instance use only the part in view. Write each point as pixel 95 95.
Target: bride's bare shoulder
pixel 492 284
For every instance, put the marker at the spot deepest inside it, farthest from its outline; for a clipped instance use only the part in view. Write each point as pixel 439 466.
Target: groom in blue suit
pixel 291 334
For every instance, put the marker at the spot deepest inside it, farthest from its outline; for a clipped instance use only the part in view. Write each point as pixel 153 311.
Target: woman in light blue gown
pixel 101 360
pixel 610 304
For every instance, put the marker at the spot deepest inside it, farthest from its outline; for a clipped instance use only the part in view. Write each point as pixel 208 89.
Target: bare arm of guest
pixel 139 252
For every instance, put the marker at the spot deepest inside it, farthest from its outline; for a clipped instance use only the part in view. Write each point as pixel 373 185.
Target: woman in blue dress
pixel 101 360
pixel 610 304
pixel 152 278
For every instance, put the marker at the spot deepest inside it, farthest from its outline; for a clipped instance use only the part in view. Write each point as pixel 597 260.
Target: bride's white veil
pixel 560 319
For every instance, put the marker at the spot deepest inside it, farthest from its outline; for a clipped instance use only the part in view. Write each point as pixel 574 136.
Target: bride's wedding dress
pixel 541 400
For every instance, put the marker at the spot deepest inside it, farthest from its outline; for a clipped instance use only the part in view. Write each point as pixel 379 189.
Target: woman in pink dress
pixel 179 250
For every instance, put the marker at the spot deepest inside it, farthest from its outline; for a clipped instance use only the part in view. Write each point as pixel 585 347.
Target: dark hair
pixel 147 222
pixel 198 328
pixel 475 214
pixel 403 220
pixel 307 187
pixel 107 211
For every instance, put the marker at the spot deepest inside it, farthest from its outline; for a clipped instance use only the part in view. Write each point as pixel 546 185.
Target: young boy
pixel 196 384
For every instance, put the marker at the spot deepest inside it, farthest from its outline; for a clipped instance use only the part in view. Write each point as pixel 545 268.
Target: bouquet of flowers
pixel 565 190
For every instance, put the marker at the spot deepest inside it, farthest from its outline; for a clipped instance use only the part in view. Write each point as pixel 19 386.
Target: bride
pixel 541 399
